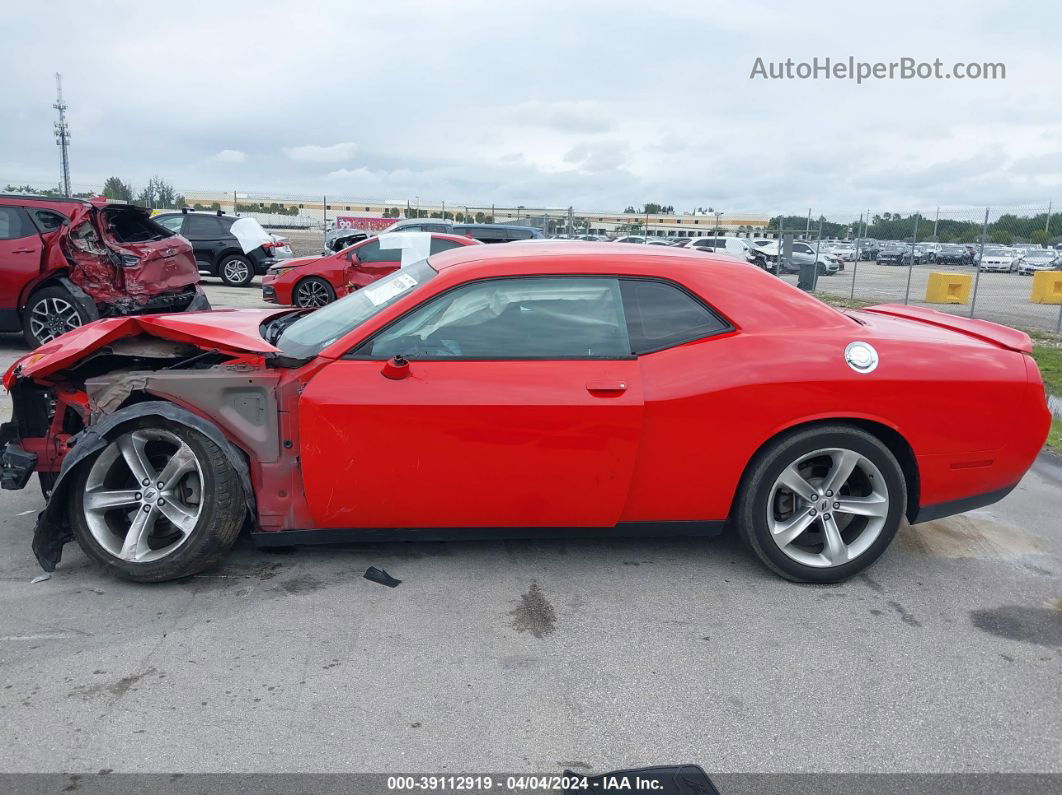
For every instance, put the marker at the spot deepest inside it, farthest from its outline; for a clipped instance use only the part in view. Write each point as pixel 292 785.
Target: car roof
pixel 619 257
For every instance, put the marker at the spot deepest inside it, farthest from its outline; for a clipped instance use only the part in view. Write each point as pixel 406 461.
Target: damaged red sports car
pixel 559 390
pixel 67 262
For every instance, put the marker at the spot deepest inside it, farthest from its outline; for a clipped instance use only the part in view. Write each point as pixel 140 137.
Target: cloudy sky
pixel 596 105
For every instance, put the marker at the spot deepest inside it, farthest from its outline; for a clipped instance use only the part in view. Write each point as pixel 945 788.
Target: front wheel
pixel 49 313
pixel 313 292
pixel 236 271
pixel 820 505
pixel 159 502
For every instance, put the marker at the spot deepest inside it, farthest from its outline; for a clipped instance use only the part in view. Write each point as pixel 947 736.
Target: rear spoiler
pixel 1001 336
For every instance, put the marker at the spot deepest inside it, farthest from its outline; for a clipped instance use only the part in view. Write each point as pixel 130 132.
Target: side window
pixel 202 227
pixel 566 317
pixel 48 221
pixel 661 315
pixel 802 248
pixel 171 222
pixel 438 244
pixel 13 224
pixel 371 252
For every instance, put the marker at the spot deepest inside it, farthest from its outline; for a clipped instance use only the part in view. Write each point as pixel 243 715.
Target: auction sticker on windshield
pixel 386 290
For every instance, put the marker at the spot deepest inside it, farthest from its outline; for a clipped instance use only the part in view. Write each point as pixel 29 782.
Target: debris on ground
pixel 379 575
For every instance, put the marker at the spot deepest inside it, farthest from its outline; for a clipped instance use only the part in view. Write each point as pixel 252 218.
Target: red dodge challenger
pixel 316 281
pixel 561 390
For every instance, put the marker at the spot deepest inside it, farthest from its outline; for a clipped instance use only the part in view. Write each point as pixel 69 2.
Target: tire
pixel 204 494
pixel 791 535
pixel 50 312
pixel 313 291
pixel 235 270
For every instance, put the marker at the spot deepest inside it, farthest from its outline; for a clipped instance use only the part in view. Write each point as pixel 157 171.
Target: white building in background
pixel 325 210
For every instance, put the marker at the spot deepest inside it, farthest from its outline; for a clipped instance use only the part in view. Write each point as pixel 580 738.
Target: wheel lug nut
pixel 138 496
pixel 145 482
pixel 829 493
pixel 162 501
pixel 161 484
pixel 147 509
pixel 836 505
pixel 813 511
pixel 813 497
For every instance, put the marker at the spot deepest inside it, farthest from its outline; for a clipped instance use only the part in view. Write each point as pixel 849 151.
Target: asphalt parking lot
pixel 539 655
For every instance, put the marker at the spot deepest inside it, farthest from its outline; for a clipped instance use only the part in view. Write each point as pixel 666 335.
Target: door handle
pixel 22 251
pixel 606 386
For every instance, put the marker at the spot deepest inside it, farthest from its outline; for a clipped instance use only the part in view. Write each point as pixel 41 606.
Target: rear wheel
pixel 313 291
pixel 50 312
pixel 235 271
pixel 820 505
pixel 160 502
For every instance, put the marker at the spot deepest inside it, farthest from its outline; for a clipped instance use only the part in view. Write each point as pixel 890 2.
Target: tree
pixel 158 193
pixel 114 188
pixel 1040 237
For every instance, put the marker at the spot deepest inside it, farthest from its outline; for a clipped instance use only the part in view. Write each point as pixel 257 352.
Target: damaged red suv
pixel 67 262
pixel 570 389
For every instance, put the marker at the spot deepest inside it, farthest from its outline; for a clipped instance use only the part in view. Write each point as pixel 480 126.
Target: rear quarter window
pixel 662 315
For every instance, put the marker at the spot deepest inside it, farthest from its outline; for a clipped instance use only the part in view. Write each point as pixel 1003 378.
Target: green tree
pixel 1001 236
pixel 114 188
pixel 1040 237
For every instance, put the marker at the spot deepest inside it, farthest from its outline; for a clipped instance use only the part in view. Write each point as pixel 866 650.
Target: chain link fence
pixel 997 263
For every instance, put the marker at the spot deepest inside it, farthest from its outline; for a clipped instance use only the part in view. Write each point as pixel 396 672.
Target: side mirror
pixel 396 368
pixel 350 257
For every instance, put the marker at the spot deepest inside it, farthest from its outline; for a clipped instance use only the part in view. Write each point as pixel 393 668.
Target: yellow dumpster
pixel 948 288
pixel 1047 287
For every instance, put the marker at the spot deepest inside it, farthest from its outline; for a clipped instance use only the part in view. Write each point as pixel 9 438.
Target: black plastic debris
pixel 381 576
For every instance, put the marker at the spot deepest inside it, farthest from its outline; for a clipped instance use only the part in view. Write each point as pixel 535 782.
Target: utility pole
pixel 936 218
pixel 1047 222
pixel 807 232
pixel 62 136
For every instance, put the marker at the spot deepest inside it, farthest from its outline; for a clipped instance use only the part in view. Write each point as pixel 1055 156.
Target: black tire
pixel 216 530
pixel 312 292
pixel 236 270
pixel 755 499
pixel 49 312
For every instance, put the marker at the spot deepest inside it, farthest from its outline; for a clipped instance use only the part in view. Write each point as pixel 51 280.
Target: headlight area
pixel 280 270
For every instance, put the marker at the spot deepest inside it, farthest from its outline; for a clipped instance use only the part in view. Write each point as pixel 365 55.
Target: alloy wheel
pixel 143 495
pixel 826 508
pixel 52 317
pixel 236 270
pixel 311 294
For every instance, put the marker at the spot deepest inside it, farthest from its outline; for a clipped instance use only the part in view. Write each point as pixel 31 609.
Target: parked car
pixel 951 254
pixel 315 281
pixel 232 248
pixel 998 258
pixel 895 254
pixel 846 252
pixel 804 253
pixel 1038 259
pixel 342 237
pixel 438 225
pixel 497 233
pixel 67 262
pixel 630 239
pixel 560 389
pixel 868 249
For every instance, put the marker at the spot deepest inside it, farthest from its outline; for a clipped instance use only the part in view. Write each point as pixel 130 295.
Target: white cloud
pixel 230 156
pixel 311 153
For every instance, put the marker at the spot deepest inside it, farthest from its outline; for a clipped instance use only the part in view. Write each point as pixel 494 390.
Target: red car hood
pixel 232 331
pixel 297 261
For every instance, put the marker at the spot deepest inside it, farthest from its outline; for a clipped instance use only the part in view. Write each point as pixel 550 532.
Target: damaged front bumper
pixel 18 466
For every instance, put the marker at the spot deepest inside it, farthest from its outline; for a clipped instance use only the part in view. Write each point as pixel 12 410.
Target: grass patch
pixel 841 302
pixel 1049 358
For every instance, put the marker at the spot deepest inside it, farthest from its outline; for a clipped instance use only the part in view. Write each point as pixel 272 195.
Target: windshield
pixel 312 333
pixel 996 252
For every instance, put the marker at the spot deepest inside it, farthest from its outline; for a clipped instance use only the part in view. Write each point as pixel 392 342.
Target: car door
pixel 374 262
pixel 208 237
pixel 21 249
pixel 803 254
pixel 522 408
